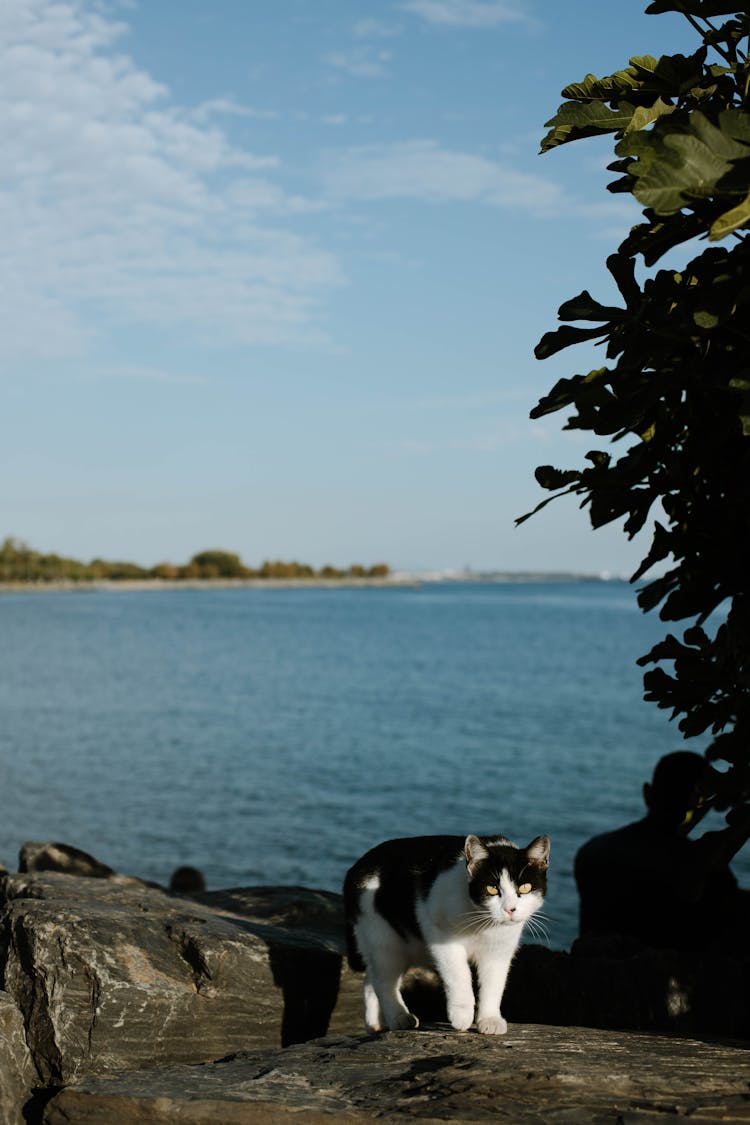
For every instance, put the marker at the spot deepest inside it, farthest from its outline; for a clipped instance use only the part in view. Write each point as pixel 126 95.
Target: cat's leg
pixel 374 1020
pixel 386 985
pixel 492 973
pixel 386 989
pixel 452 964
pixel 387 960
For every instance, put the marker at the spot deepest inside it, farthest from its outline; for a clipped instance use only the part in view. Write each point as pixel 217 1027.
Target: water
pixel 271 736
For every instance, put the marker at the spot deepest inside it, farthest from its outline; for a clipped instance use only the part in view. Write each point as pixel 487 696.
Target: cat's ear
pixel 538 851
pixel 475 852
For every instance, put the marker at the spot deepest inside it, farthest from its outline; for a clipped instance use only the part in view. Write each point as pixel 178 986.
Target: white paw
pixel 492 1025
pixel 403 1021
pixel 461 1016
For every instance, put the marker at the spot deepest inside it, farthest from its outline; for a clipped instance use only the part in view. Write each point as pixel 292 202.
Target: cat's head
pixel 506 881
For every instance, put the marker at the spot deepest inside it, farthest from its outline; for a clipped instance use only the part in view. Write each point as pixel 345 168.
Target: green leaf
pixel 705 319
pixel 670 74
pixel 738 216
pixel 543 504
pixel 688 170
pixel 622 268
pixel 719 140
pixel 743 386
pixel 553 342
pixel 584 307
pixel 647 114
pixel 574 120
pixel 553 479
pixel 654 238
pixel 598 458
pixel 645 65
pixel 603 89
pixel 704 8
pixel 643 148
pixel 561 395
pixel 736 123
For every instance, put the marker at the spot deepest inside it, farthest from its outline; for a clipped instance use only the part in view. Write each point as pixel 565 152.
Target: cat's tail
pixel 351 908
pixel 353 956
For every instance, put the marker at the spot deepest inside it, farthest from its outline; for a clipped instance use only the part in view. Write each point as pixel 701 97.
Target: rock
pixel 105 973
pixel 17 1071
pixel 112 977
pixel 187 880
pixel 67 860
pixel 535 1075
pixel 35 856
pixel 654 990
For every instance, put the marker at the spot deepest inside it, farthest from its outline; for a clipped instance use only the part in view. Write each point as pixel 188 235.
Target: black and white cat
pixel 443 902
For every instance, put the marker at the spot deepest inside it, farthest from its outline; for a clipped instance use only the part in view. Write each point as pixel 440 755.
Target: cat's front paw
pixel 461 1016
pixel 403 1021
pixel 492 1025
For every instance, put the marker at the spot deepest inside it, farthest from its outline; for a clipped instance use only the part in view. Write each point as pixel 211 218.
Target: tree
pixel 675 393
pixel 217 564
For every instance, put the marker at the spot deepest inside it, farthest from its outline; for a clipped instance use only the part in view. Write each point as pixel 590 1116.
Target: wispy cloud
pixel 364 56
pixel 117 198
pixel 468 13
pixel 422 169
pixel 216 107
pixel 360 61
pixel 375 29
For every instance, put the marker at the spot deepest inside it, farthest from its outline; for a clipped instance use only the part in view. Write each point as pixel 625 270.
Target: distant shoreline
pixel 398 580
pixel 132 584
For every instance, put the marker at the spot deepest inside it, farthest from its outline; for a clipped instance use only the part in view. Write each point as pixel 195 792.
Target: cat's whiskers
pixel 475 921
pixel 536 926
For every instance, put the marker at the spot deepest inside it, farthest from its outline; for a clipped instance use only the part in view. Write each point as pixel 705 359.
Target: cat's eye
pixel 524 888
pixel 491 889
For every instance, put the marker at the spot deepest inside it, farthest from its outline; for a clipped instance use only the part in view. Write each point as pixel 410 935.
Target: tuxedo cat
pixel 443 902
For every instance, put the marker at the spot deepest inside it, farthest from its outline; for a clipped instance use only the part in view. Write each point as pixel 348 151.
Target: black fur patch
pixel 406 868
pixel 506 857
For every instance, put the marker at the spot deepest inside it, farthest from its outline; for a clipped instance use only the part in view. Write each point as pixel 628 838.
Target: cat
pixel 444 902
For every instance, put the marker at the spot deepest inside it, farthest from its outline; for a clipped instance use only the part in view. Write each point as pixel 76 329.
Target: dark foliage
pixel 675 393
pixel 19 563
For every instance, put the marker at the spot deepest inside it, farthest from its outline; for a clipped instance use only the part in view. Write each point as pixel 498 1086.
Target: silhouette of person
pixel 650 882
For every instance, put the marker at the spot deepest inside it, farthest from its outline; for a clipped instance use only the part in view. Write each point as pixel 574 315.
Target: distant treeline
pixel 19 563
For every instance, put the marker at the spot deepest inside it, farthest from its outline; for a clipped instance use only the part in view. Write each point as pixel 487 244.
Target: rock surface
pixel 535 1075
pixel 17 1072
pixel 116 989
pixel 648 989
pixel 37 856
pixel 112 977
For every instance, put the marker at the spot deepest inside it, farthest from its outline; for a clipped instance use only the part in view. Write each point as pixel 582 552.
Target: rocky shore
pixel 123 1002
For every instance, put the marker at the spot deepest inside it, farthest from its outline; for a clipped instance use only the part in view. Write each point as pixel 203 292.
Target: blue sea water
pixel 271 736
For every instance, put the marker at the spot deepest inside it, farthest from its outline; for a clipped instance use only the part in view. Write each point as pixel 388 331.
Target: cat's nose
pixel 510 911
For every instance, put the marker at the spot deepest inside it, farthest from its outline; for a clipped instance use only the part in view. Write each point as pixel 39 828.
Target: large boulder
pixel 112 977
pixel 533 1075
pixel 36 855
pixel 17 1071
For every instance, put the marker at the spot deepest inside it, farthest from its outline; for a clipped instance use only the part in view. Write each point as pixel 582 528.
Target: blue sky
pixel 273 272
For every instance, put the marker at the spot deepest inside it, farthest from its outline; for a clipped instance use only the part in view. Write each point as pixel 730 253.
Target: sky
pixel 273 271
